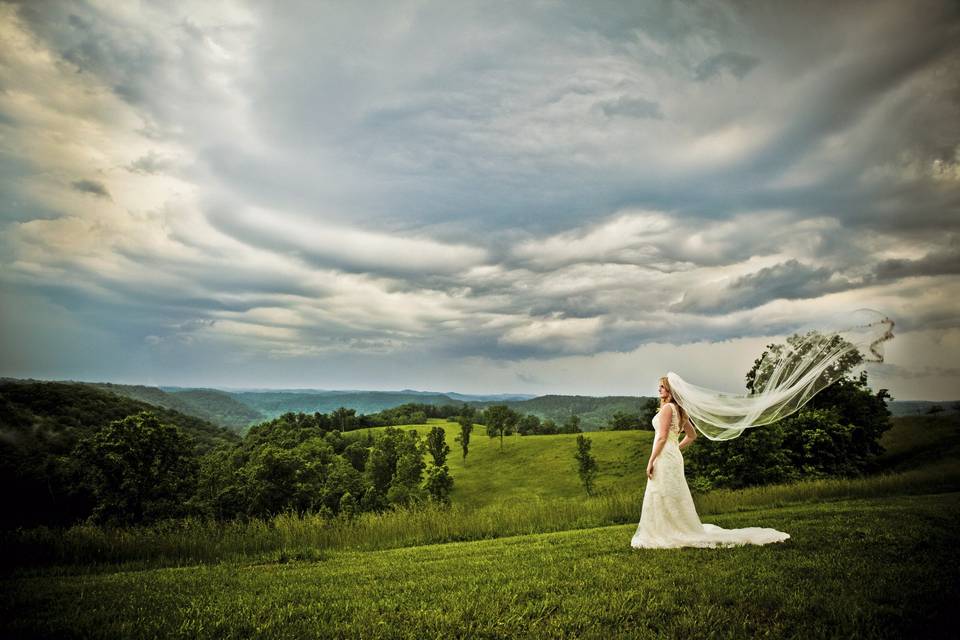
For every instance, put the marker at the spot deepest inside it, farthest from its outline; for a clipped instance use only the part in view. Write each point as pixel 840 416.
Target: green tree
pixel 500 419
pixel 648 410
pixel 586 463
pixel 437 445
pixel 138 469
pixel 439 484
pixel 571 424
pixel 463 438
pixel 836 433
pixel 343 418
pixel 529 424
pixel 623 421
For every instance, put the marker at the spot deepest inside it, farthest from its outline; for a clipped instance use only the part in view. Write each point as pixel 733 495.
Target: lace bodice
pixel 674 428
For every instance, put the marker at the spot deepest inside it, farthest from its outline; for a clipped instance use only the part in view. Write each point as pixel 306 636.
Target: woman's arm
pixel 663 428
pixel 691 434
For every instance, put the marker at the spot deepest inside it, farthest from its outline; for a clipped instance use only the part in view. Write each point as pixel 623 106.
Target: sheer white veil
pixel 787 376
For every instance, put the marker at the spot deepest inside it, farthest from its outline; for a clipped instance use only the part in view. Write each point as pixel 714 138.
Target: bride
pixel 784 379
pixel 668 518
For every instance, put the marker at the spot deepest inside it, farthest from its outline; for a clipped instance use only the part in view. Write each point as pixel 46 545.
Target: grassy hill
pixel 594 412
pixel 531 468
pixel 537 467
pixel 882 565
pixel 877 568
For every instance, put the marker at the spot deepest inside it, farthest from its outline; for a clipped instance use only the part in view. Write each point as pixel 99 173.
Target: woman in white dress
pixel 668 518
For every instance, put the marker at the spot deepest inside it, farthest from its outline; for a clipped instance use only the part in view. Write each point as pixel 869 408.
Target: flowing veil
pixel 787 376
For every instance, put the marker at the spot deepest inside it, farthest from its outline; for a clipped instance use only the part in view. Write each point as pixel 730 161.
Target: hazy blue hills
pixel 921 407
pixel 275 403
pixel 238 409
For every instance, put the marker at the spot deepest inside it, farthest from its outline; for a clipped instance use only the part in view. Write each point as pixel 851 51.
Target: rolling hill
pixel 532 468
pixel 211 405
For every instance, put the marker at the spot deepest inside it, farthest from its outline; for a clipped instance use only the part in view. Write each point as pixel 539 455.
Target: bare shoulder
pixel 668 409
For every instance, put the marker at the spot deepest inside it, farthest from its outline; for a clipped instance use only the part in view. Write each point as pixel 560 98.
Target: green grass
pixel 874 568
pixel 193 541
pixel 532 468
pixel 525 553
pixel 537 467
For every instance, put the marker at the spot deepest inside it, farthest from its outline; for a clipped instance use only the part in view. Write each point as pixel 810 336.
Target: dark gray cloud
pixel 632 107
pixel 92 187
pixel 788 280
pixel 736 63
pixel 944 262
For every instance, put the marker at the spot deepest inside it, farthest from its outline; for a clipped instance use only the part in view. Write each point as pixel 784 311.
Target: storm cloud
pixel 444 196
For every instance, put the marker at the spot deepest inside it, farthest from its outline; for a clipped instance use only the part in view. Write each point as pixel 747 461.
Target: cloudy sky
pixel 537 197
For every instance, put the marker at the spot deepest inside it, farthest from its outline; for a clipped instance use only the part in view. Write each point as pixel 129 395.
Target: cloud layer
pixel 452 197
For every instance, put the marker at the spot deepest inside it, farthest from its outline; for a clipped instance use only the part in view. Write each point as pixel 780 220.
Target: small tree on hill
pixel 586 463
pixel 439 484
pixel 437 445
pixel 623 421
pixel 465 420
pixel 528 425
pixel 500 419
pixel 572 424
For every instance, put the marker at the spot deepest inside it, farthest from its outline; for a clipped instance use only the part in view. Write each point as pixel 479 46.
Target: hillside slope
pixel 879 568
pixel 211 405
pixel 61 411
pixel 531 467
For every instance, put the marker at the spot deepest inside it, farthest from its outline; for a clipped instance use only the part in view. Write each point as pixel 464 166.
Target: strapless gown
pixel 668 518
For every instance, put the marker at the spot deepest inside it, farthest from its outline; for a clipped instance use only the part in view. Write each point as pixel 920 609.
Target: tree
pixel 343 418
pixel 439 484
pixel 466 427
pixel 836 433
pixel 437 445
pixel 405 484
pixel 935 408
pixel 647 412
pixel 528 425
pixel 623 421
pixel 549 427
pixel 138 469
pixel 571 425
pixel 500 419
pixel 586 464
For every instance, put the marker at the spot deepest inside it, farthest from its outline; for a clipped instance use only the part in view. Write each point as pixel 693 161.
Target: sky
pixel 496 197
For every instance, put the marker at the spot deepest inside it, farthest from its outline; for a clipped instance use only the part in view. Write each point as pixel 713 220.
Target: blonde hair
pixel 666 384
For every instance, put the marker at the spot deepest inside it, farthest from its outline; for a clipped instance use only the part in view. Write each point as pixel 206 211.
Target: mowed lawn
pixel 872 568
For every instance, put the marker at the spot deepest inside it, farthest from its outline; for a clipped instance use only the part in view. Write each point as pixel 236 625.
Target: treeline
pixel 70 453
pixel 41 425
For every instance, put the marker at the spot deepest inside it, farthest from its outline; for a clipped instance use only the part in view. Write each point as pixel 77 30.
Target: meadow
pixel 525 552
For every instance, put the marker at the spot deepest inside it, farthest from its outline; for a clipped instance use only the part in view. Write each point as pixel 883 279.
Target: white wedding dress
pixel 668 518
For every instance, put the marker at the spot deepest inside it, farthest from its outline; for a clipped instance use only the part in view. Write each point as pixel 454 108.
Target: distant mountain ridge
pixel 237 410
